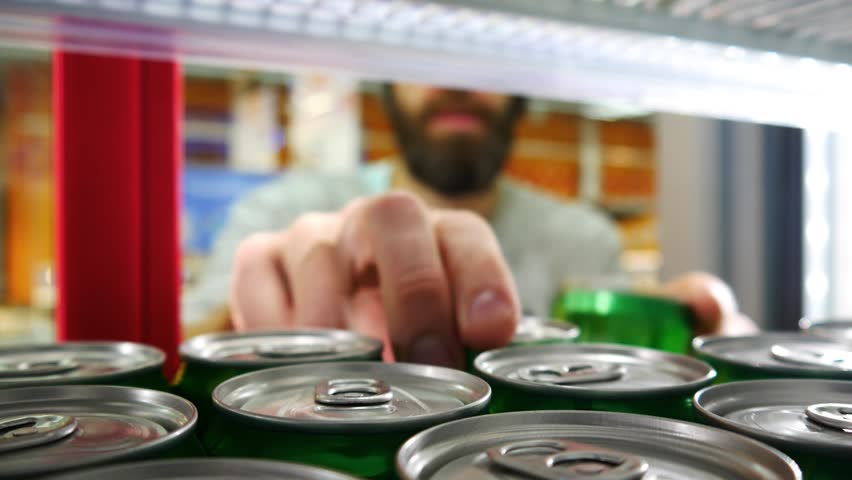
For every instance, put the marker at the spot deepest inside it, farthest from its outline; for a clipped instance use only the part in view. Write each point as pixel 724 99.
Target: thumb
pixel 709 298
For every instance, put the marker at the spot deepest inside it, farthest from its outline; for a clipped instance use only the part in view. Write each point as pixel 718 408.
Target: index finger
pixel 398 233
pixel 486 303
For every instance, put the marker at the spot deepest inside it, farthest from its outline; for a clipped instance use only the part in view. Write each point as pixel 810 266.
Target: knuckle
pixel 463 220
pixel 395 204
pixel 309 225
pixel 421 284
pixel 320 255
pixel 250 250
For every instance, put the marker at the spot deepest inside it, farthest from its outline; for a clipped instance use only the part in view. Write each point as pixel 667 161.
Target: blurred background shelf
pixel 778 61
pixel 801 28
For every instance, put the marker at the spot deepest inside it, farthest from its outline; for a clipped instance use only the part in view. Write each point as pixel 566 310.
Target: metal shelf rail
pixel 772 61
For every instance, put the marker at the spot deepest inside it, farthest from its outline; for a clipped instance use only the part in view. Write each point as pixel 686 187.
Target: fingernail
pixel 430 349
pixel 490 307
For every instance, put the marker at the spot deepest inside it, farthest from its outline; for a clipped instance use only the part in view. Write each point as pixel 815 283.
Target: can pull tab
pixel 288 351
pixel 838 358
pixel 833 415
pixel 33 430
pixel 573 374
pixel 352 392
pixel 37 369
pixel 564 460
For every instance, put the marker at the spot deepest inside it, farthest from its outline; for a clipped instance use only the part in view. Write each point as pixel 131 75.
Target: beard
pixel 455 164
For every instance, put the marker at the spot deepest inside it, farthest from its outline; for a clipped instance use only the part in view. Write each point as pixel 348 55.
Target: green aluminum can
pixel 600 377
pixel 573 445
pixel 611 316
pixel 836 330
pixel 810 420
pixel 209 360
pixel 92 363
pixel 205 469
pixel 347 416
pixel 775 355
pixel 534 331
pixel 53 429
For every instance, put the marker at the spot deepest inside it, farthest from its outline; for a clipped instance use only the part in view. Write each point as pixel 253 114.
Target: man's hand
pixel 426 281
pixel 712 302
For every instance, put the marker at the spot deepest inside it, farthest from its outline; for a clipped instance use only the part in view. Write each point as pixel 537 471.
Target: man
pixel 449 263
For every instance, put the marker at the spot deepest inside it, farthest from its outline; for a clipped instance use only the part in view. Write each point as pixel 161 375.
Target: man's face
pixel 454 141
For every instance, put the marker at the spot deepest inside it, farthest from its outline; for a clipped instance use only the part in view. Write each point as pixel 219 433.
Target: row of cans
pixel 424 422
pixel 556 445
pixel 576 445
pixel 208 360
pixel 353 415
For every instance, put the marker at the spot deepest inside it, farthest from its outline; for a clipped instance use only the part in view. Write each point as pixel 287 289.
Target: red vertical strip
pixel 98 196
pixel 58 155
pixel 162 107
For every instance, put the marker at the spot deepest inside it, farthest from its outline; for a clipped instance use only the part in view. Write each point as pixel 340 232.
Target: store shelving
pixel 780 61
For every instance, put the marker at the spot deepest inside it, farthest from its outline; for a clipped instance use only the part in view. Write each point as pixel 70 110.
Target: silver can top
pixel 558 445
pixel 539 330
pixel 275 348
pixel 352 397
pixel 782 353
pixel 75 362
pixel 205 469
pixel 836 330
pixel 801 414
pixel 48 429
pixel 594 370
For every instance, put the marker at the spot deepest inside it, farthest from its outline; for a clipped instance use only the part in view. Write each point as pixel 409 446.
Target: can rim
pixel 588 391
pixel 784 442
pixel 836 329
pixel 222 466
pixel 702 343
pixel 113 394
pixel 157 358
pixel 190 350
pixel 405 424
pixel 806 323
pixel 578 417
pixel 569 330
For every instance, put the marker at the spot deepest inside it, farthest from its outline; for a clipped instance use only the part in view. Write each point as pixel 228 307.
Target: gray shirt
pixel 543 239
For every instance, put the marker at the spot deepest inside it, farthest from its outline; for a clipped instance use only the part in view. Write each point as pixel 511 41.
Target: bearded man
pixel 432 251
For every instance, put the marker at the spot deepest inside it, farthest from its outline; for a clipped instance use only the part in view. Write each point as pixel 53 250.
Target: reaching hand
pixel 426 281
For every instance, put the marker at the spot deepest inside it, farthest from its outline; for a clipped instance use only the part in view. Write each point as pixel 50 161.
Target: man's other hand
pixel 713 303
